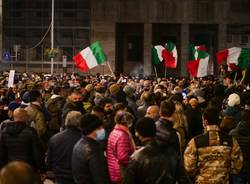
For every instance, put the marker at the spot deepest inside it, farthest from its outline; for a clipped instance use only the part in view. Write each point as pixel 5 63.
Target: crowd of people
pixel 101 129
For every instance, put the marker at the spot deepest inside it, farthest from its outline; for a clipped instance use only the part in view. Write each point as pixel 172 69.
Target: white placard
pixel 64 61
pixel 11 78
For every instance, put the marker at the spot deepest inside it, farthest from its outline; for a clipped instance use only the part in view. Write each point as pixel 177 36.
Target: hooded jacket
pixel 54 106
pixel 20 142
pixel 37 119
pixel 211 157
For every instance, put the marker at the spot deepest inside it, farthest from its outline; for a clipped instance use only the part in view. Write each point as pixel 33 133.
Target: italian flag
pixel 197 66
pixel 234 56
pixel 90 57
pixel 170 55
pixel 157 54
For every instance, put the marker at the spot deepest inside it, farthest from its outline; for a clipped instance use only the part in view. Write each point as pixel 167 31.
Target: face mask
pixel 78 104
pixel 100 134
pixel 130 124
pixel 109 111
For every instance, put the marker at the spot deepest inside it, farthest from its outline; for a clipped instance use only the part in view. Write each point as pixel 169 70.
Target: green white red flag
pixel 168 54
pixel 197 66
pixel 90 57
pixel 157 54
pixel 234 56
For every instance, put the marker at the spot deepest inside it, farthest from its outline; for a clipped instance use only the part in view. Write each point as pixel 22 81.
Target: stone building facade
pixel 124 25
pixel 126 29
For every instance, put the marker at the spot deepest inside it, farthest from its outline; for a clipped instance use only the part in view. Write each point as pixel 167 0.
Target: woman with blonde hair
pixel 180 124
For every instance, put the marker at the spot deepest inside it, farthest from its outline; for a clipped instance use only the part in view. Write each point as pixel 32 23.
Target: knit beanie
pixel 13 105
pixel 89 87
pixel 177 90
pixel 128 90
pixel 88 123
pixel 233 100
pixel 34 94
pixel 26 97
pixel 113 89
pixel 146 127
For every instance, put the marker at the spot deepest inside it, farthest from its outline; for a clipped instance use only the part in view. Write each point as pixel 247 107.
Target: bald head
pixel 20 115
pixel 153 112
pixel 17 173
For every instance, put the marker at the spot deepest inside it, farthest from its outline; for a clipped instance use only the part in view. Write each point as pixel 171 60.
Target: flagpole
pixel 243 76
pixel 112 73
pixel 165 64
pixel 235 77
pixel 155 72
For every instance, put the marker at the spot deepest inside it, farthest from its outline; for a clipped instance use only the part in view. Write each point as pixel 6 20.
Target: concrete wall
pixel 105 33
pixel 105 14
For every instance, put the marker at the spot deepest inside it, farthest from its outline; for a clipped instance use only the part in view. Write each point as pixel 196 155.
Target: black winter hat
pixel 89 123
pixel 34 94
pixel 146 127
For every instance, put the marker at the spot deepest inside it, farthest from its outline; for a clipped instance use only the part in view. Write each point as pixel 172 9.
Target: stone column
pixel 147 49
pixel 184 48
pixel 222 36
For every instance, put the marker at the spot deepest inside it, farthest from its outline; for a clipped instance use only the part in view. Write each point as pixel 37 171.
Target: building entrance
pixel 129 48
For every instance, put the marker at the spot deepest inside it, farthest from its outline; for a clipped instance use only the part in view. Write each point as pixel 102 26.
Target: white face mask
pixel 100 134
pixel 130 124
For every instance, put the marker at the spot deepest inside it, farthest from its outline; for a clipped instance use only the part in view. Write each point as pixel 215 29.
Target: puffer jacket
pixel 243 138
pixel 20 142
pixel 156 164
pixel 88 162
pixel 211 157
pixel 120 147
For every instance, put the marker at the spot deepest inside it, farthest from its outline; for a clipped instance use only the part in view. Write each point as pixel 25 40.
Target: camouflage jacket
pixel 211 157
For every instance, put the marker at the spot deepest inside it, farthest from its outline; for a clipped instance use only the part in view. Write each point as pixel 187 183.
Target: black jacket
pixel 3 115
pixel 88 163
pixel 155 164
pixel 70 106
pixel 60 150
pixel 194 118
pixel 20 142
pixel 243 138
pixel 166 135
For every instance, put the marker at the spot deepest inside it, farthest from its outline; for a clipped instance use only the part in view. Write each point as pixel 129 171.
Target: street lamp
pixel 52 36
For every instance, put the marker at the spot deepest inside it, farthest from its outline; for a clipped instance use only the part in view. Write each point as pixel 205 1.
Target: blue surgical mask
pixel 100 134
